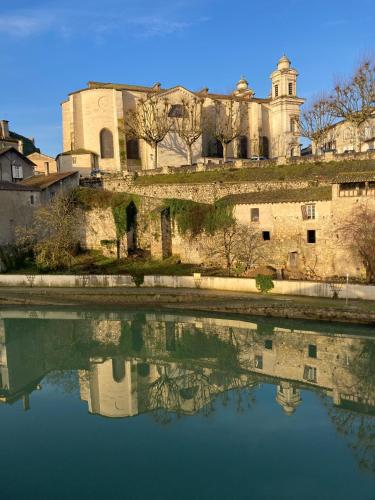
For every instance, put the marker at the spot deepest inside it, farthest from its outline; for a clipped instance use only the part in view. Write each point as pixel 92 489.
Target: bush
pixel 138 278
pixel 264 283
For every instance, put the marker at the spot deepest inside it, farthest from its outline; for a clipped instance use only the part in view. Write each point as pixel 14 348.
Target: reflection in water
pixel 133 363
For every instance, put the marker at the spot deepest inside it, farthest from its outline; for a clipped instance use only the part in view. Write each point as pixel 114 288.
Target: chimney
pixel 4 129
pixel 20 146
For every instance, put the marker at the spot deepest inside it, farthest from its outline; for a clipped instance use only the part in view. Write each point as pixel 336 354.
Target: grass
pixel 95 263
pixel 303 171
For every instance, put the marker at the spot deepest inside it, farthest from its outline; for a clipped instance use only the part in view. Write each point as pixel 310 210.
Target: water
pixel 137 405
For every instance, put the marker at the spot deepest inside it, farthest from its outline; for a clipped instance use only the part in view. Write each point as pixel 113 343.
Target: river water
pixel 148 404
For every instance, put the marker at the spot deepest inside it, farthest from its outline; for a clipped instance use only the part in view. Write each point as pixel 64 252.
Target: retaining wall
pixel 302 288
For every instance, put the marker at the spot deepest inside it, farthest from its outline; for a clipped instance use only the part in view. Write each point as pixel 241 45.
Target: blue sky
pixel 50 48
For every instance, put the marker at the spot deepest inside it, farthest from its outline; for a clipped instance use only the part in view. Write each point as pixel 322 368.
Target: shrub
pixel 138 278
pixel 264 283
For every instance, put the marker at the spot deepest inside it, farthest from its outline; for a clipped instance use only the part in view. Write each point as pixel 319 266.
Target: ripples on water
pixel 147 404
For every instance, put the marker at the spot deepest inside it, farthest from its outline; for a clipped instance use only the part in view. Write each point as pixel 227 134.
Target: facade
pixel 344 138
pixel 17 203
pixel 44 164
pixel 52 184
pixel 14 166
pixel 94 120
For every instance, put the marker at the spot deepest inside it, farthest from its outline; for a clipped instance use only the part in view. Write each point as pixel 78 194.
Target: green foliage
pixel 107 243
pixel 12 257
pixel 138 277
pixel 264 283
pixel 197 218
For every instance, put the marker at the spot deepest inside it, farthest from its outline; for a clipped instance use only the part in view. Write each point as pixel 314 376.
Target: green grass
pixel 303 171
pixel 95 263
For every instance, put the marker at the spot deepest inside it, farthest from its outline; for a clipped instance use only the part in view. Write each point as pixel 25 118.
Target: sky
pixel 51 48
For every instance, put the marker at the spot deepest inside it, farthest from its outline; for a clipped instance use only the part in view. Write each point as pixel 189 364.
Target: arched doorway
pixel 118 369
pixel 166 233
pixel 131 226
pixel 242 147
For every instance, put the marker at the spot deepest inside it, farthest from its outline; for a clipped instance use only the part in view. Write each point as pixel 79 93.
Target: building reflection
pixel 129 364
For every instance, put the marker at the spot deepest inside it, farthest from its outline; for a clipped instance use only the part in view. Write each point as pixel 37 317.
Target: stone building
pixel 17 203
pixel 25 145
pixel 14 166
pixel 44 164
pixel 52 184
pixel 344 138
pixel 94 120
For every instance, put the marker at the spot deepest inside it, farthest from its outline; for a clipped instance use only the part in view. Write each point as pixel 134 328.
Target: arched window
pixel 132 149
pixel 242 146
pixel 106 143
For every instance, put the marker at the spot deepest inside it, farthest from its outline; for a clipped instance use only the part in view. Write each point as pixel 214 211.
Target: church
pixel 94 124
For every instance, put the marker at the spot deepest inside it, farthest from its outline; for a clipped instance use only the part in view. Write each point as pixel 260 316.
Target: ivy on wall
pixel 197 218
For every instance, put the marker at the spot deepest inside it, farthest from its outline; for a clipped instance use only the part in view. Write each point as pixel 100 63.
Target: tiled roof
pixel 15 186
pixel 315 193
pixel 44 181
pixel 354 177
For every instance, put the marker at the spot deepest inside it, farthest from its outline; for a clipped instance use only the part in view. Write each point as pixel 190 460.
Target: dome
pixel 242 84
pixel 283 63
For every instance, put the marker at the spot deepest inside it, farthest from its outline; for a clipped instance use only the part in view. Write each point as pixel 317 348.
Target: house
pixel 14 166
pixel 17 203
pixel 52 184
pixel 25 145
pixel 44 164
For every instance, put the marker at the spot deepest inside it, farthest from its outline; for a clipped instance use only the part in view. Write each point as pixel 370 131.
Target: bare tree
pixel 358 232
pixel 189 124
pixel 236 245
pixel 354 100
pixel 316 121
pixel 228 123
pixel 53 236
pixel 150 122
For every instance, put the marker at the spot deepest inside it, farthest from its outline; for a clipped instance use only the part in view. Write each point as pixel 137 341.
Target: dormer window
pixel 276 90
pixel 290 88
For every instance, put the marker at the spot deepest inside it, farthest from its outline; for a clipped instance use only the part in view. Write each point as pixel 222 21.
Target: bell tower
pixel 285 110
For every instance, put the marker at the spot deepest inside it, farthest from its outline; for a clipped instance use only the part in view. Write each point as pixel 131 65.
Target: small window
pixel 309 373
pixel 46 165
pixel 312 351
pixel 74 160
pixel 17 171
pixel 254 214
pixel 31 199
pixel 258 361
pixel 290 88
pixel 311 236
pixel 266 235
pixel 177 111
pixel 276 90
pixel 310 211
pixel 268 344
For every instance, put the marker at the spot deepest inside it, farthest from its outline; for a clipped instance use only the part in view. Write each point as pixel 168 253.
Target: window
pixel 312 351
pixel 290 88
pixel 276 90
pixel 132 149
pixel 177 111
pixel 266 235
pixel 311 236
pixel 17 171
pixel 268 344
pixel 46 166
pixel 74 160
pixel 309 373
pixel 308 212
pixel 106 143
pixel 31 199
pixel 254 215
pixel 292 125
pixel 258 362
